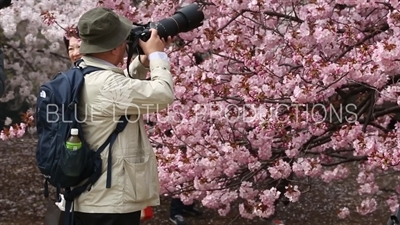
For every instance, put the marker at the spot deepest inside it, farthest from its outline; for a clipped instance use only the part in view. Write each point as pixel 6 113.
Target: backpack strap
pixel 123 121
pixel 89 69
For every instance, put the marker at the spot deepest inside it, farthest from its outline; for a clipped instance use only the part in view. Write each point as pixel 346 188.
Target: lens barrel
pixel 183 20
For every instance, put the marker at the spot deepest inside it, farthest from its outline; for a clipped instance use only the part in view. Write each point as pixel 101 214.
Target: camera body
pixel 183 20
pixel 141 32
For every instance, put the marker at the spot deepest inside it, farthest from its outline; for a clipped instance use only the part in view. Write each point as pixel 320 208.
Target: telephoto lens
pixel 183 20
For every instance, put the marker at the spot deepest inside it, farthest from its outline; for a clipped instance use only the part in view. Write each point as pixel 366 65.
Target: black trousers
pixel 107 218
pixel 177 207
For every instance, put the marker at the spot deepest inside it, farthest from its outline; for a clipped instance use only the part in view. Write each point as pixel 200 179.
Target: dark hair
pixel 66 42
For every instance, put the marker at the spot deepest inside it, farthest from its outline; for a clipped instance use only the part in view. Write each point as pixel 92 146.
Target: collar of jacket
pixel 92 61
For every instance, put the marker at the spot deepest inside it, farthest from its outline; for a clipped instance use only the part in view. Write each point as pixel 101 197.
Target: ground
pixel 22 201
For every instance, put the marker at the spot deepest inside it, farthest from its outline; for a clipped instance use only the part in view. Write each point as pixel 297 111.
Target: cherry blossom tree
pixel 269 94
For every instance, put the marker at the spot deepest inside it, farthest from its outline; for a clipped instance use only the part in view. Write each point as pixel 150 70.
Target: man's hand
pixel 167 42
pixel 154 44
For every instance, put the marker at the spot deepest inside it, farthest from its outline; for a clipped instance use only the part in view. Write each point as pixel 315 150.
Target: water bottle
pixel 74 142
pixel 71 156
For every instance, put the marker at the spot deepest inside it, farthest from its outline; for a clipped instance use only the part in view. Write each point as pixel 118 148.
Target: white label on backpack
pixel 43 94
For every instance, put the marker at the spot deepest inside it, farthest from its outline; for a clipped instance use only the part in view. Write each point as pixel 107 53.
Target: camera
pixel 183 20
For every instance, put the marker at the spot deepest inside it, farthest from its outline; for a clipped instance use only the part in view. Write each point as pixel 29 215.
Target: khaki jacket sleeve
pixel 126 96
pixel 137 70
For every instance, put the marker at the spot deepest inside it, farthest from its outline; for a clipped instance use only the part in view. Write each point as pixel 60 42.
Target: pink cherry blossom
pixel 3 136
pixel 393 203
pixel 338 173
pixel 281 169
pixel 292 193
pixel 367 206
pixel 344 213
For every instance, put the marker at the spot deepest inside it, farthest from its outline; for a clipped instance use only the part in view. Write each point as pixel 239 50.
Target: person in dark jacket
pixel 2 74
pixel 4 3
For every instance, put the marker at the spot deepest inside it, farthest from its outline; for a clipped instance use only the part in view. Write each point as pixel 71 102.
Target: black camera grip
pixel 145 35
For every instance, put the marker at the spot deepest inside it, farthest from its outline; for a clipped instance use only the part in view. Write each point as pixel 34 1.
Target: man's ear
pixel 114 51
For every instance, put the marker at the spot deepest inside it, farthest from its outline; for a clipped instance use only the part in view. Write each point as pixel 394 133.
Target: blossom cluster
pixel 18 130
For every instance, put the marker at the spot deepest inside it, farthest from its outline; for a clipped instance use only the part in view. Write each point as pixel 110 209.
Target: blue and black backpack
pixel 56 115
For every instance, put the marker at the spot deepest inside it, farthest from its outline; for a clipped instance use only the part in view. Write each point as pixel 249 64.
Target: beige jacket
pixel 107 95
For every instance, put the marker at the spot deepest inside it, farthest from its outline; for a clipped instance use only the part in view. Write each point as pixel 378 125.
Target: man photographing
pixel 109 94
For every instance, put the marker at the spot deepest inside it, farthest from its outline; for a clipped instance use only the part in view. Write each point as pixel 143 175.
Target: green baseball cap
pixel 101 30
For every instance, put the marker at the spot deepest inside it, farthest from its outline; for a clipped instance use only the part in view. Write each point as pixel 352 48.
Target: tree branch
pixel 370 112
pixel 352 159
pixel 232 19
pixel 54 54
pixel 21 56
pixel 280 15
pixel 379 29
